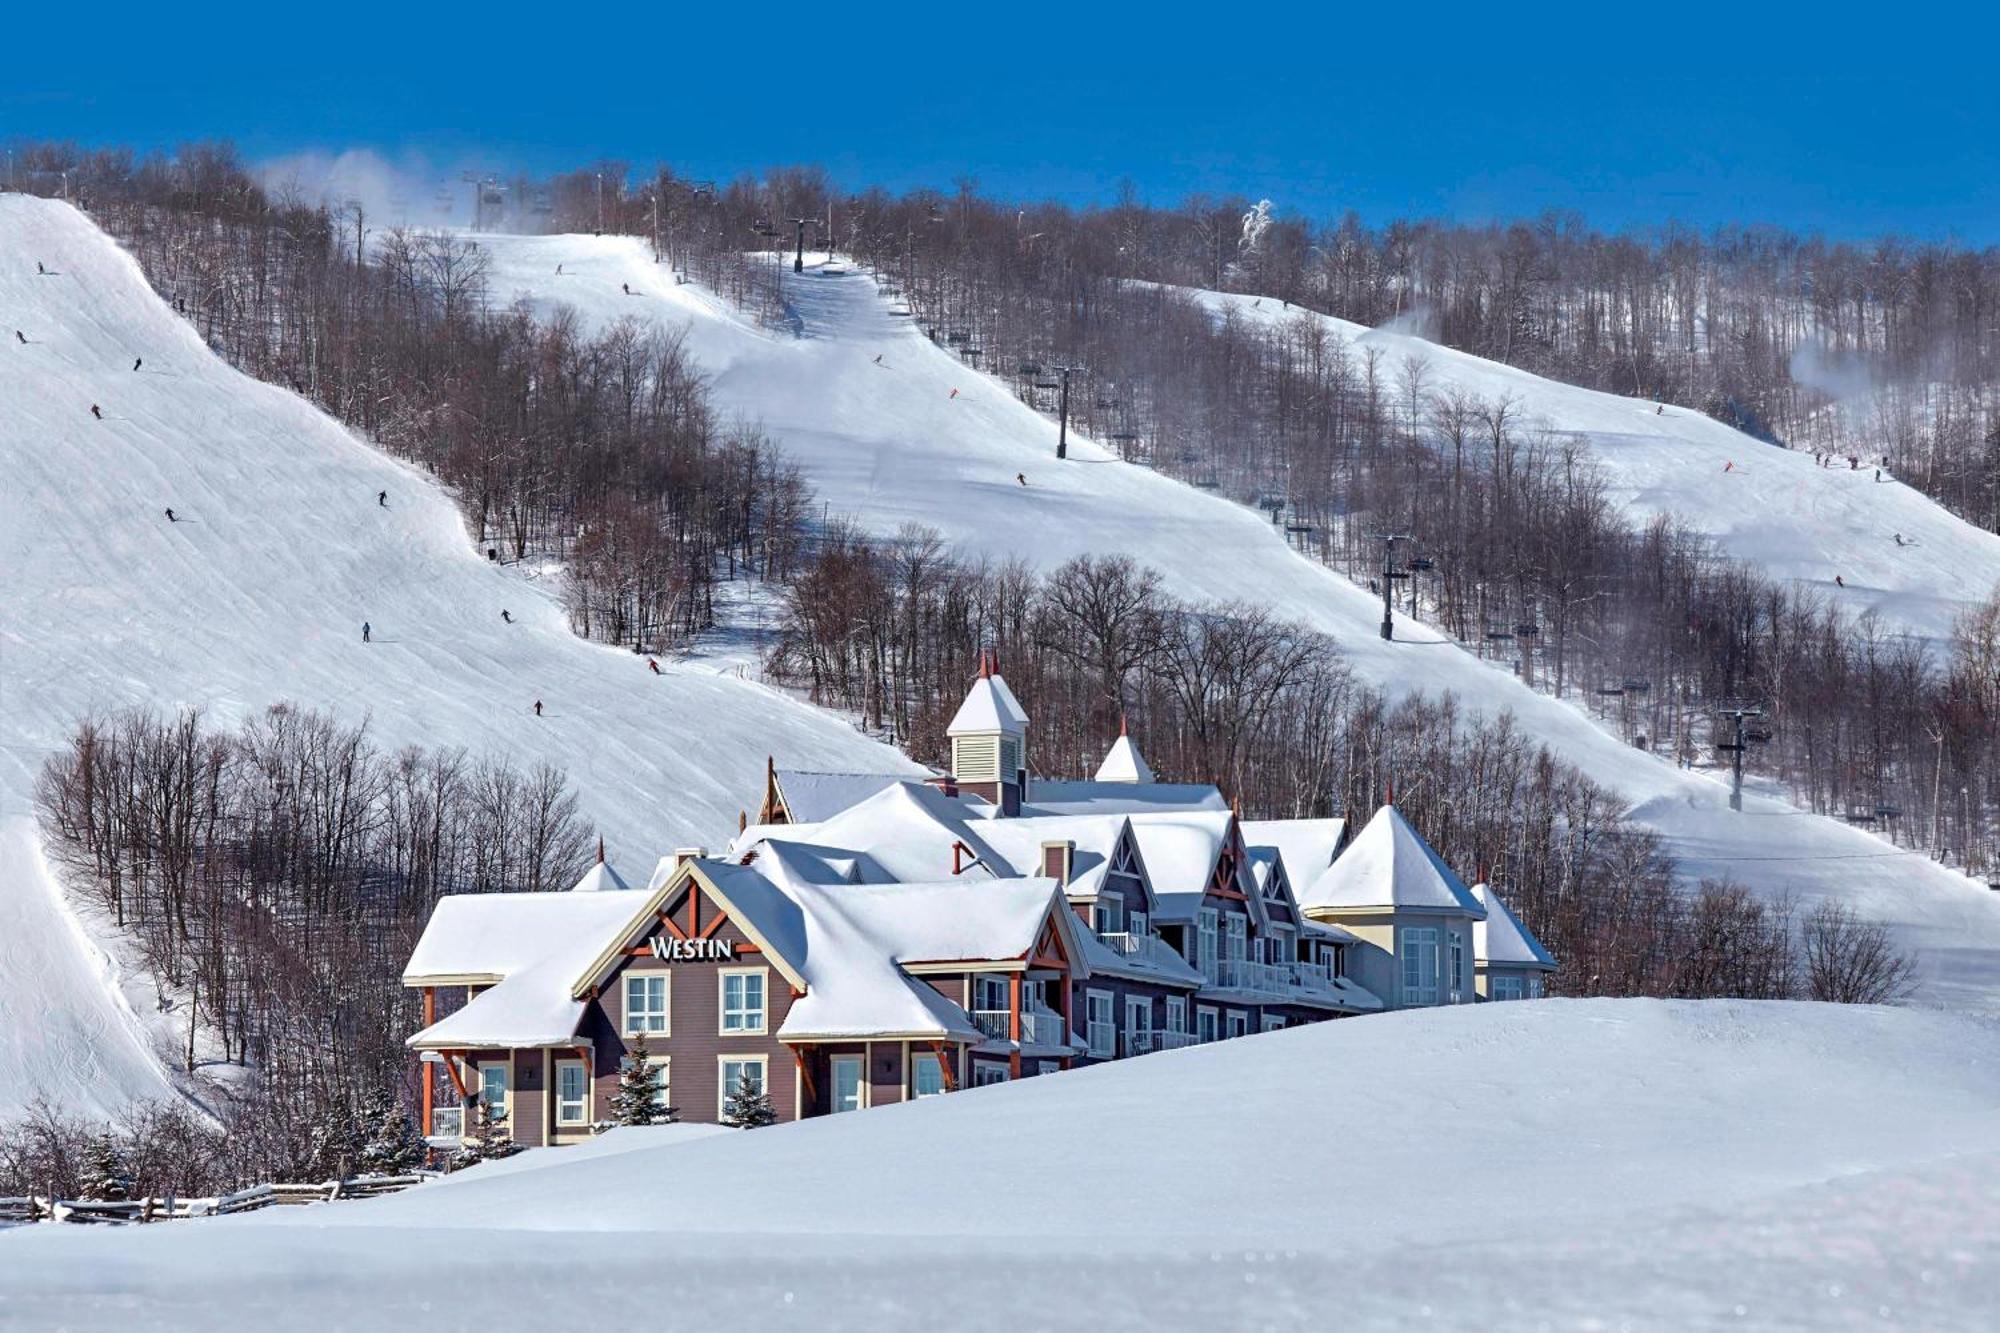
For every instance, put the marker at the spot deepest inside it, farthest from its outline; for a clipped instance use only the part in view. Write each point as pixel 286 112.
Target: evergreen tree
pixel 637 1100
pixel 486 1139
pixel 107 1175
pixel 748 1105
pixel 393 1147
pixel 337 1141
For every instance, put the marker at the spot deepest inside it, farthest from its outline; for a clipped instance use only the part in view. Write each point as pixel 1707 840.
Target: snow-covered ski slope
pixel 888 444
pixel 1557 1164
pixel 1774 508
pixel 257 595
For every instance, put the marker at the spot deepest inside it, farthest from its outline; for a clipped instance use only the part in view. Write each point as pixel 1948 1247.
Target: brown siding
pixel 694 1041
pixel 531 1099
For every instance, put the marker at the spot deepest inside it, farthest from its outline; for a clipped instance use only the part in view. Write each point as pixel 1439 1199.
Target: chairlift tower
pixel 1062 414
pixel 799 256
pixel 1734 749
pixel 1389 576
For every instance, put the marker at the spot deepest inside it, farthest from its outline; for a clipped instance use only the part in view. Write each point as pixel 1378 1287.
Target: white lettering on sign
pixel 670 950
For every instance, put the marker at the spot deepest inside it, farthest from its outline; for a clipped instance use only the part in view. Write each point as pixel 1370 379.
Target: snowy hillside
pixel 888 443
pixel 1533 1165
pixel 1774 508
pixel 258 595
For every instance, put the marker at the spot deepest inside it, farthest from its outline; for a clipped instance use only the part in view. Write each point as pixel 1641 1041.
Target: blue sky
pixel 1841 122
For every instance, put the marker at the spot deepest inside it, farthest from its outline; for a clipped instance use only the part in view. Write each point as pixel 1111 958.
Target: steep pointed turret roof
pixel 989 705
pixel 1124 763
pixel 1389 865
pixel 1501 938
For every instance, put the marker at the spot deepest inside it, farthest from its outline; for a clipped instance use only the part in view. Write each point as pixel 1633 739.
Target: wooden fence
pixel 43 1208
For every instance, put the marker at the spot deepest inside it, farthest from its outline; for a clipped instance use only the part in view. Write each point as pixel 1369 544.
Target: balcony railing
pixel 1146 948
pixel 1173 1041
pixel 1039 1027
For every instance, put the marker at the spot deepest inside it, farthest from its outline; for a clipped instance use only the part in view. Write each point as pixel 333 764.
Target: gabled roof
pixel 1306 846
pixel 600 878
pixel 812 796
pixel 1389 866
pixel 1501 938
pixel 1123 763
pixel 1095 838
pixel 1050 797
pixel 906 833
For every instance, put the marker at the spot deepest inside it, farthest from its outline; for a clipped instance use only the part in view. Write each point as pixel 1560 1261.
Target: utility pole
pixel 1062 419
pixel 1389 576
pixel 1734 749
pixel 600 203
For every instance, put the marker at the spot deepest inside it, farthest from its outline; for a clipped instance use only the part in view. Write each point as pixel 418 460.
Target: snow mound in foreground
pixel 1670 1162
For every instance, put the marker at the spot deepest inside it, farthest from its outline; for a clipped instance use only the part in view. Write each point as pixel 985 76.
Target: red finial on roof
pixel 985 663
pixel 1236 806
pixel 600 849
pixel 1390 799
pixel 742 820
pixel 1121 724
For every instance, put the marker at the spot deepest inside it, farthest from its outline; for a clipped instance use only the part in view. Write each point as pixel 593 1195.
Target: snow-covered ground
pixel 1772 507
pixel 258 595
pixel 1559 1164
pixel 888 443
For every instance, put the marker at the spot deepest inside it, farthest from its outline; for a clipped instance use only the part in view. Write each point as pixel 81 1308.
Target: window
pixel 926 1076
pixel 743 999
pixel 1534 985
pixel 1107 916
pixel 493 1090
pixel 1339 956
pixel 1103 1025
pixel 735 1068
pixel 1048 1067
pixel 850 1092
pixel 572 1093
pixel 1138 1024
pixel 1239 936
pixel 1137 923
pixel 645 1002
pixel 1457 981
pixel 1420 964
pixel 1204 1024
pixel 1503 988
pixel 1273 1023
pixel 1205 943
pixel 1283 950
pixel 1239 1023
pixel 1176 1013
pixel 984 1074
pixel 990 993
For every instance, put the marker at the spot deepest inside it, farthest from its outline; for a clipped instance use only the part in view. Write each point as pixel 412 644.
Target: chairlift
pixel 1611 690
pixel 1208 483
pixel 1107 402
pixel 970 351
pixel 1635 685
pixel 1527 629
pixel 1499 634
pixel 957 336
pixel 1758 735
pixel 1123 435
pixel 1028 369
pixel 1422 564
pixel 1860 816
pixel 1889 811
pixel 1301 528
pixel 1048 384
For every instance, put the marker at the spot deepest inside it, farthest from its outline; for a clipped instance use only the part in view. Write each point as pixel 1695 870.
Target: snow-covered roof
pixel 1123 763
pixel 1053 797
pixel 813 796
pixel 1389 866
pixel 1306 846
pixel 600 878
pixel 1095 840
pixel 1181 850
pixel 989 706
pixel 1501 938
pixel 906 833
pixel 493 935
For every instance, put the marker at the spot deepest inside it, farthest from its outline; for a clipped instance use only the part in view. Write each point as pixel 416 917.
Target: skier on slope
pixel 1729 467
pixel 625 287
pixel 538 708
pixel 1839 582
pixel 22 336
pixel 653 666
pixel 954 393
pixel 97 411
pixel 382 499
pixel 366 630
pixel 558 270
pixel 506 615
pixel 138 361
pixel 172 519
pixel 39 268
pixel 1900 541
pixel 1878 474
pixel 1021 477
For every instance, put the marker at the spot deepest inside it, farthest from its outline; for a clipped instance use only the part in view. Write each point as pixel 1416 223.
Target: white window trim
pixel 1420 939
pixel 987 1073
pixel 1516 988
pixel 1138 1014
pixel 1456 953
pixel 1235 1023
pixel 1111 1007
pixel 937 1062
pixel 588 1093
pixel 860 1082
pixel 666 1028
pixel 1273 1023
pixel 506 1068
pixel 722 1002
pixel 432 1131
pixel 1208 1011
pixel 723 1085
pixel 1177 1014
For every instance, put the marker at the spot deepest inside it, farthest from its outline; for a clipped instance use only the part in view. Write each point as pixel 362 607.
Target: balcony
pixel 1173 1041
pixel 1145 948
